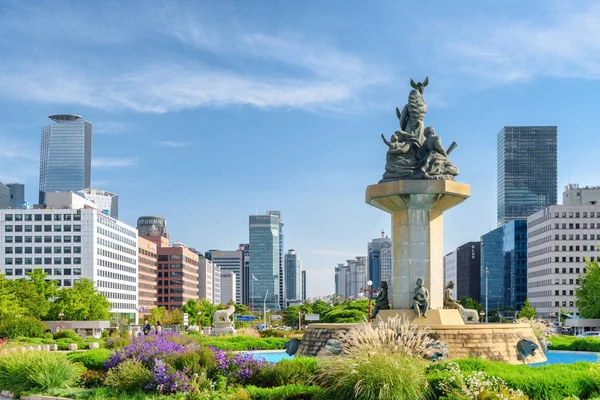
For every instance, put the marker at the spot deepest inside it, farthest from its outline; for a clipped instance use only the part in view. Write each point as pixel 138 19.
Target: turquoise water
pixel 568 357
pixel 271 356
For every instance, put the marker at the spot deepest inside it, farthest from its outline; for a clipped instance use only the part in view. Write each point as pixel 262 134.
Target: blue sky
pixel 206 112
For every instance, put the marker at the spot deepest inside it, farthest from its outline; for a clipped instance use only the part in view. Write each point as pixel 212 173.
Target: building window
pixel 8 217
pixel 76 271
pixel 47 250
pixel 37 228
pixel 47 228
pixel 28 250
pixel 77 239
pixel 67 250
pixel 57 271
pixel 67 217
pixel 37 217
pixel 77 250
pixel 37 261
pixel 57 217
pixel 76 260
pixel 67 261
pixel 8 239
pixel 67 228
pixel 47 217
pixel 77 217
pixel 18 217
pixel 8 250
pixel 57 250
pixel 8 261
pixel 76 228
pixel 57 228
pixel 8 228
pixel 48 260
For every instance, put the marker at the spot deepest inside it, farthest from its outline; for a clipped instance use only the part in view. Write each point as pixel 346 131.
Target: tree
pixel 33 303
pixel 527 311
pixel 9 305
pixel 320 307
pixel 46 288
pixel 176 317
pixel 191 308
pixel 158 314
pixel 588 293
pixel 82 302
pixel 291 315
pixel 241 309
pixel 471 304
pixel 207 310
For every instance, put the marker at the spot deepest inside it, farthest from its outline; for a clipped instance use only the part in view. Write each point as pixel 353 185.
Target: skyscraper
pixel 245 278
pixel 17 195
pixel 4 196
pixel 351 278
pixel 527 171
pixel 304 285
pixel 66 155
pixel 264 260
pixel 230 261
pixel 293 275
pixel 468 271
pixel 380 260
pixel 282 294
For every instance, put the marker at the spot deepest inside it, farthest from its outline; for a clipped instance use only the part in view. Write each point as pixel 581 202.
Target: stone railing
pixel 47 347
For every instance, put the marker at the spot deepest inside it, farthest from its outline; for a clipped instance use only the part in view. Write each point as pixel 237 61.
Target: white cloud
pixel 19 160
pixel 112 162
pixel 172 143
pixel 111 127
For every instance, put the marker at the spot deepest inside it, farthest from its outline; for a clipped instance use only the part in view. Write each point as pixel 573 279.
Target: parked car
pixel 589 334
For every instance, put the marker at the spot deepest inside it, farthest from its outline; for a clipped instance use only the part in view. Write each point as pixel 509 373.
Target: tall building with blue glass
pixel 264 260
pixel 293 276
pixel 527 171
pixel 282 294
pixel 379 253
pixel 504 258
pixel 66 155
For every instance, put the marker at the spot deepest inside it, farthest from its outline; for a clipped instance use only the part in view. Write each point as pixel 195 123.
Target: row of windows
pixel 115 246
pixel 176 257
pixel 40 261
pixel 42 228
pixel 171 290
pixel 113 225
pixel 150 271
pixel 142 260
pixel 171 299
pixel 542 304
pixel 147 253
pixel 118 267
pixel 114 256
pixel 121 296
pixel 115 285
pixel 172 274
pixel 577 237
pixel 147 286
pixel 114 275
pixel 576 214
pixel 38 250
pixel 40 217
pixel 49 271
pixel 38 239
pixel 114 236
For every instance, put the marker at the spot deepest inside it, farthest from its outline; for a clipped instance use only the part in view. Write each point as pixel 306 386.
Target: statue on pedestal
pixel 421 298
pixel 415 152
pixel 450 302
pixel 381 301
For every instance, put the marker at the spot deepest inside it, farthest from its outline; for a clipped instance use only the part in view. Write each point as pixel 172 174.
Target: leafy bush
pixel 48 335
pixel 573 343
pixel 93 359
pixel 365 375
pixel 116 342
pixel 239 367
pixel 27 327
pixel 241 343
pixel 33 370
pixel 195 361
pixel 67 334
pixel 287 392
pixel 266 333
pixel 128 376
pixel 92 379
pixel 297 370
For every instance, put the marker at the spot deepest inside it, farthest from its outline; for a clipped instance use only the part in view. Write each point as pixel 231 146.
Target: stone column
pixel 416 208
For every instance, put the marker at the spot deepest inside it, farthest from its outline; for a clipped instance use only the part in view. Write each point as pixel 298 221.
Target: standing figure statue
pixel 413 113
pixel 381 301
pixel 421 298
pixel 467 314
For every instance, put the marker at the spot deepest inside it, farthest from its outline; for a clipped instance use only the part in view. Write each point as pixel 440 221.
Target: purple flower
pixel 239 367
pixel 167 382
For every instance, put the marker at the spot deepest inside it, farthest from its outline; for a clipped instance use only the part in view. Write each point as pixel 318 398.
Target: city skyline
pixel 285 113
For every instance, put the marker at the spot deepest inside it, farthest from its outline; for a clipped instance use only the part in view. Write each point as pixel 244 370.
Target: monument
pixel 418 186
pixel 222 324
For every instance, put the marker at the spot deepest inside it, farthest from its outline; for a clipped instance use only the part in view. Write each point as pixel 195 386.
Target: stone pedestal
pixel 434 317
pixel 222 328
pixel 416 208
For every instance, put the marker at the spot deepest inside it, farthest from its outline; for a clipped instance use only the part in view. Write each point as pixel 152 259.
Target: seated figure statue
pixel 434 159
pixel 450 302
pixel 381 301
pixel 421 298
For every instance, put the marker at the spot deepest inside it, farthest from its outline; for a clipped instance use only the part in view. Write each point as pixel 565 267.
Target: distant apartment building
pixel 468 271
pixel 527 171
pixel 4 196
pixel 228 287
pixel 217 284
pixel 379 252
pixel 560 238
pixel 17 195
pixel 230 261
pixel 209 280
pixel 450 272
pixel 293 275
pixel 304 285
pixel 106 201
pixel 147 275
pixel 504 257
pixel 65 155
pixel 351 277
pixel 71 240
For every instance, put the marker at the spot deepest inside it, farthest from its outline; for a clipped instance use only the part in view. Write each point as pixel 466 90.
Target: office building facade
pixel 351 277
pixel 380 260
pixel 304 285
pixel 264 260
pixel 527 171
pixel 228 287
pixel 152 226
pixel 70 244
pixel 560 238
pixel 230 261
pixel 147 273
pixel 504 257
pixel 450 273
pixel 468 271
pixel 4 196
pixel 293 276
pixel 17 195
pixel 106 201
pixel 282 294
pixel 245 278
pixel 66 155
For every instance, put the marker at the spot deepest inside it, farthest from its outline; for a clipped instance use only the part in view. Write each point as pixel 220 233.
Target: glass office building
pixel 527 171
pixel 66 155
pixel 504 256
pixel 17 195
pixel 264 261
pixel 293 275
pixel 4 196
pixel 282 290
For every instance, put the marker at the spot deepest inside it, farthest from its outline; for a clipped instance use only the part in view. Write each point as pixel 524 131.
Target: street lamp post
pixel 487 293
pixel 265 308
pixel 300 321
pixel 61 314
pixel 481 313
pixel 369 291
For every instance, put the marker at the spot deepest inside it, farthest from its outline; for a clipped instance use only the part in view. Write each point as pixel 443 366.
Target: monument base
pixel 434 317
pixel 222 328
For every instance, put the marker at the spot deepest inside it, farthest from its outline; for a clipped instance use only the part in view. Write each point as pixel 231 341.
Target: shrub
pixel 33 370
pixel 297 370
pixel 266 333
pixel 365 375
pixel 241 343
pixel 67 334
pixel 104 335
pixel 169 381
pixel 92 379
pixel 48 335
pixel 93 359
pixel 238 368
pixel 116 343
pixel 27 327
pixel 195 361
pixel 573 343
pixel 287 392
pixel 128 376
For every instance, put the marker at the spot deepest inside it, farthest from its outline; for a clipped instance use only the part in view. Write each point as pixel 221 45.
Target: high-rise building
pixel 527 171
pixel 107 202
pixel 264 260
pixel 304 285
pixel 4 196
pixel 282 294
pixel 245 277
pixel 504 257
pixel 70 244
pixel 230 261
pixel 205 279
pixel 217 284
pixel 450 269
pixel 147 273
pixel 559 238
pixel 66 155
pixel 351 278
pixel 17 195
pixel 380 260
pixel 293 276
pixel 152 226
pixel 468 271
pixel 228 287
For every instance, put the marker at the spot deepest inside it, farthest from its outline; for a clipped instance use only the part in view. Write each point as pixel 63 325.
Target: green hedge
pixel 241 343
pixel 573 343
pixel 93 359
pixel 27 327
pixel 551 382
pixel 286 392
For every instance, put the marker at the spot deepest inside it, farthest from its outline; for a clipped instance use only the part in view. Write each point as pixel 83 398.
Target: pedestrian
pixel 146 329
pixel 158 327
